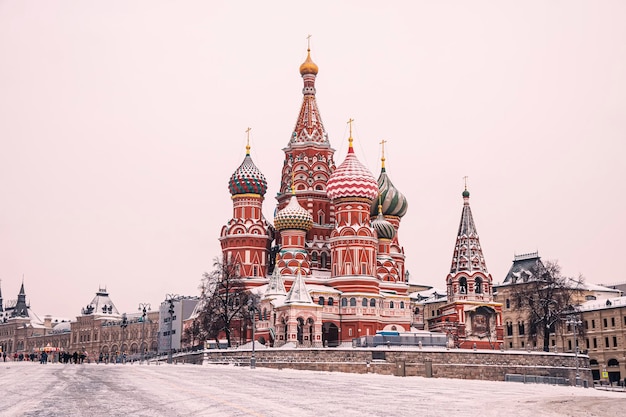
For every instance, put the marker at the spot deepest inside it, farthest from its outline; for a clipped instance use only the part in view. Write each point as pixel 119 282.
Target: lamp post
pixel 123 326
pixel 144 308
pixel 170 299
pixel 575 321
pixel 252 308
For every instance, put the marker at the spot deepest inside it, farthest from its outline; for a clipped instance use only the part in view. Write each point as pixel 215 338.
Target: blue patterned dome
pixel 247 179
pixel 393 201
pixel 293 216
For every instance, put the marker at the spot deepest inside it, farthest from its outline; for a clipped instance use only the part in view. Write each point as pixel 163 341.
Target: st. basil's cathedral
pixel 331 267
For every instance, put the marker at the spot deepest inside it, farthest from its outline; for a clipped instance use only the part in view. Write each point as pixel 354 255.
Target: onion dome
pixel 247 179
pixel 384 228
pixel 393 201
pixel 308 66
pixel 352 179
pixel 293 216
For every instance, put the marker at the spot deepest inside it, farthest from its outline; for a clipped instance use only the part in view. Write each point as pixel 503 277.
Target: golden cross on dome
pixel 350 121
pixel 465 180
pixel 382 142
pixel 308 43
pixel 248 140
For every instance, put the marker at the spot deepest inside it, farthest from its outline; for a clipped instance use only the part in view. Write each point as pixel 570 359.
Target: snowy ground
pixel 31 389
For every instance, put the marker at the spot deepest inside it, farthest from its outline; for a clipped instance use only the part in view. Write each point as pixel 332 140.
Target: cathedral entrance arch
pixel 330 334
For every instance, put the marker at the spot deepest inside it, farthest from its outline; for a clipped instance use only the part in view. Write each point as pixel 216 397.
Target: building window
pixel 364 302
pixel 587 343
pixel 331 301
pixel 320 301
pixel 595 343
pixel 349 332
pixel 463 285
pixel 606 342
pixel 352 302
pixel 520 328
pixel 373 302
pixel 391 305
pixel 344 302
pixel 606 324
pixel 478 286
pixel 612 321
pixel 593 324
pixel 614 341
pixel 509 329
pixel 508 303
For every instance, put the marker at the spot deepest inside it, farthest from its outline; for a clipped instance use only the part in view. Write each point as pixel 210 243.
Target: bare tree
pixel 225 301
pixel 546 297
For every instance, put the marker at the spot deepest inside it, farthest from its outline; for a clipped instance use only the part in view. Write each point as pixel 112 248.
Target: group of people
pixel 44 357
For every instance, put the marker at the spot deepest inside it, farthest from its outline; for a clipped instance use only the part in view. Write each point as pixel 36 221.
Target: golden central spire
pixel 248 140
pixel 308 66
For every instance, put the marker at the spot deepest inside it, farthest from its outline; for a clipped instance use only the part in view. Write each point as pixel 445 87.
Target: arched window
pixel 478 285
pixel 352 302
pixel 508 303
pixel 364 302
pixel 373 302
pixel 416 310
pixel 401 304
pixel 463 285
pixel 331 301
pixel 324 260
pixel 320 301
pixel 391 305
pixel 509 329
pixel 314 256
pixel 344 302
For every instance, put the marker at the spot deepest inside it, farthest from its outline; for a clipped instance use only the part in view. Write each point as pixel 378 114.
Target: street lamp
pixel 575 321
pixel 144 308
pixel 123 326
pixel 170 299
pixel 253 309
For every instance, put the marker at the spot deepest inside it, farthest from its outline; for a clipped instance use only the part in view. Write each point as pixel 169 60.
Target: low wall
pixel 436 363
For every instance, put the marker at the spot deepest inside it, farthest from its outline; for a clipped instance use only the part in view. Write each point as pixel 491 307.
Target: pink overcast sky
pixel 122 121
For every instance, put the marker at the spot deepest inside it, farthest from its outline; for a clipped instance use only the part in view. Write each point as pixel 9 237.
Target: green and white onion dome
pixel 384 228
pixel 393 201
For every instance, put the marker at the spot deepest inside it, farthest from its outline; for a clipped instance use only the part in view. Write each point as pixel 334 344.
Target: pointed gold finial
pixel 465 180
pixel 382 159
pixel 293 180
pixel 308 66
pixel 380 204
pixel 248 140
pixel 350 121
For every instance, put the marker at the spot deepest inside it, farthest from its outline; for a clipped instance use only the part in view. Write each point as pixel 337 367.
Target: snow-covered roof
pixel 431 295
pixel 602 304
